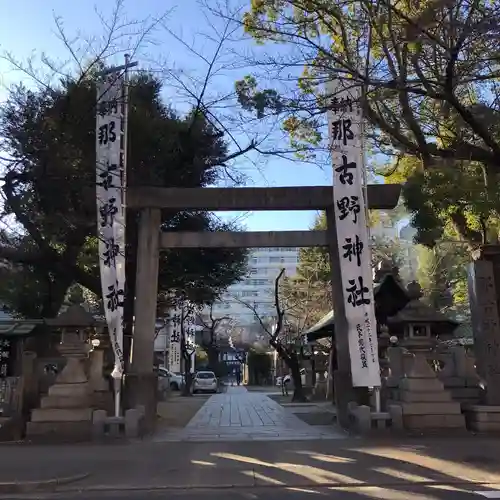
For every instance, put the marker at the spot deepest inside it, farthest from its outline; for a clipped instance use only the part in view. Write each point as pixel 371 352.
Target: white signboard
pixel 110 170
pixel 345 131
pixel 174 351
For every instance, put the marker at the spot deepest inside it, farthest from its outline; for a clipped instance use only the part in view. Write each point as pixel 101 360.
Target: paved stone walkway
pixel 239 415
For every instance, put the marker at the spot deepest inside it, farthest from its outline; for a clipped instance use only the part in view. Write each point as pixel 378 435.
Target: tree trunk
pixel 298 390
pixel 213 357
pixel 188 376
pixel 186 357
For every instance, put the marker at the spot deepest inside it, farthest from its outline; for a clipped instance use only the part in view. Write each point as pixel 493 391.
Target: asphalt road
pixel 278 493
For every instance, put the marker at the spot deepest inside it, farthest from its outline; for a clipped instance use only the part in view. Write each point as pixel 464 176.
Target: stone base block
pixel 483 418
pixel 69 415
pixel 63 402
pixel 70 390
pixel 421 384
pixel 458 382
pixel 470 395
pixel 130 425
pixel 365 420
pixel 432 408
pixel 396 414
pixel 53 431
pixel 418 422
pixel 103 400
pixel 483 409
pixel 484 426
pixel 11 428
pixel 424 397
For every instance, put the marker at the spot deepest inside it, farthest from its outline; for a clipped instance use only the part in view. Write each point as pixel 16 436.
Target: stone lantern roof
pixel 417 312
pixel 74 317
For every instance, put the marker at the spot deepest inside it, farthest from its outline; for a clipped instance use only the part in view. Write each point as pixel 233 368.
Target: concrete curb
pixel 43 485
pixel 228 486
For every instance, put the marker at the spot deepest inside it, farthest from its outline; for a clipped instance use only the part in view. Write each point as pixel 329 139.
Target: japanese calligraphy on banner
pixel 345 131
pixel 110 192
pixel 174 331
pixel 5 357
pixel 190 332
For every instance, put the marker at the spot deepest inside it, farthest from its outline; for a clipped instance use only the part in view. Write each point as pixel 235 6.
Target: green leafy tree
pixel 48 150
pixel 430 89
pixel 442 273
pixel 453 201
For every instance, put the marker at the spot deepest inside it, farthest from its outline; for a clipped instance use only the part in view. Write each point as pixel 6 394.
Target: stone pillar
pixel 102 396
pixel 329 381
pixel 141 382
pixel 320 389
pixel 485 321
pixel 30 378
pixel 96 379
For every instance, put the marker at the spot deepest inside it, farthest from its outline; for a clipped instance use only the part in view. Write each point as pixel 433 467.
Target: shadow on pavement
pixel 373 469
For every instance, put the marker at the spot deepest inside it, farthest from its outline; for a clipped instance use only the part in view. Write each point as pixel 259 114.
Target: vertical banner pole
pixel 118 378
pixel 345 121
pixel 111 133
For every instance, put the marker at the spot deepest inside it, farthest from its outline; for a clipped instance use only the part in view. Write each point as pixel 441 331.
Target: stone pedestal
pixel 424 402
pixel 483 418
pixel 66 411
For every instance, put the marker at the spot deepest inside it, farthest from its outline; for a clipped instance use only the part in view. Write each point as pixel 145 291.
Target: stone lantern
pixel 66 411
pixel 413 388
pixel 418 326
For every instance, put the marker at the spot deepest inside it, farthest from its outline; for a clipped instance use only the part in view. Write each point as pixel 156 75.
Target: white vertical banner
pixel 190 333
pixel 346 142
pixel 110 188
pixel 174 351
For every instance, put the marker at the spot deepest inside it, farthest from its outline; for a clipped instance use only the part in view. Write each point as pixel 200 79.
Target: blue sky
pixel 29 30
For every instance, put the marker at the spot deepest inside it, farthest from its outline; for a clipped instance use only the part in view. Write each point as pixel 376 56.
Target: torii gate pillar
pixel 140 380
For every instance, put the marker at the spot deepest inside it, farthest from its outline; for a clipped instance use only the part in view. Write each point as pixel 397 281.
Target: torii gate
pixel 141 381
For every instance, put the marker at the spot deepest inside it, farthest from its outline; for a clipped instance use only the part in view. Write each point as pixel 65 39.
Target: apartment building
pixel 255 293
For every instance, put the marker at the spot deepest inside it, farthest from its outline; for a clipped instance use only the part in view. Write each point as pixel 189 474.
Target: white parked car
pixel 205 382
pixel 166 379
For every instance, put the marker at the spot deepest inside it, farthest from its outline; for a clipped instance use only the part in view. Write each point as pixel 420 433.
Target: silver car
pixel 205 382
